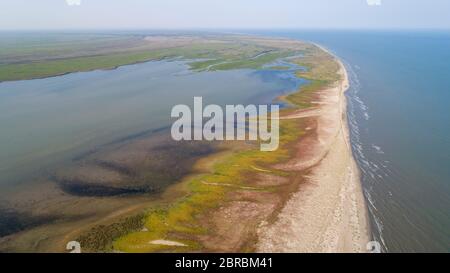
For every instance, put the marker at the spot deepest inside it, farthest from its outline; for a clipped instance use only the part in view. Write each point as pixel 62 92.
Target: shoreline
pixel 328 213
pixel 264 189
pixel 87 70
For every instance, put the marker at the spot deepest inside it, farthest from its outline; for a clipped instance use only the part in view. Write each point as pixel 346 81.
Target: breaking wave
pixel 373 169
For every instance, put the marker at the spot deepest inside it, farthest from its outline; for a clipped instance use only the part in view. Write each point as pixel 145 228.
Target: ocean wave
pixel 377 149
pixel 373 169
pixel 370 199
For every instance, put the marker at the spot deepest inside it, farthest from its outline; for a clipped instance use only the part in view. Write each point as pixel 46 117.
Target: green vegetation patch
pixel 100 238
pixel 39 60
pixel 42 69
pixel 180 220
pixel 321 72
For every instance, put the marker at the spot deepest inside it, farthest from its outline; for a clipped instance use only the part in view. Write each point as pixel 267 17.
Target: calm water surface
pixel 46 122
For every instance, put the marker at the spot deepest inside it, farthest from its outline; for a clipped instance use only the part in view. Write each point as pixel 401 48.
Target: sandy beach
pixel 328 213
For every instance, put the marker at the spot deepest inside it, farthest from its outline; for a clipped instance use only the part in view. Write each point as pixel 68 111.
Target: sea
pixel 399 117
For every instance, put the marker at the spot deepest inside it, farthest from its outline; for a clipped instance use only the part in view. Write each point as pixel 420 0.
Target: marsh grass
pixel 180 220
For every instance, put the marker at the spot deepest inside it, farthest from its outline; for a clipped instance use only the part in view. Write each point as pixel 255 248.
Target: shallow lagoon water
pixel 48 122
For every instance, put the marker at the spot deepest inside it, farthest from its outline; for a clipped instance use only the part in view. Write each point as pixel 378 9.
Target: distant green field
pixel 23 48
pixel 43 69
pixel 23 57
pixel 253 63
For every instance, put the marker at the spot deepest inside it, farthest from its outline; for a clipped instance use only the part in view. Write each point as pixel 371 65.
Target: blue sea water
pixel 399 114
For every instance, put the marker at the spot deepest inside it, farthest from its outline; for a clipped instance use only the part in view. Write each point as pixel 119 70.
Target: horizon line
pixel 231 29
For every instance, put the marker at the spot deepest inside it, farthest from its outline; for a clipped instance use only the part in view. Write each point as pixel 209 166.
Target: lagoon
pixel 48 122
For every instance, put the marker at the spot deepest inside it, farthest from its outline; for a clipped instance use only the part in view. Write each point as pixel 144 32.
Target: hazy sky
pixel 178 14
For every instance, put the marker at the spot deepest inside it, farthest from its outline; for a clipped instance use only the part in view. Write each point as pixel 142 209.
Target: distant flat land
pixel 36 55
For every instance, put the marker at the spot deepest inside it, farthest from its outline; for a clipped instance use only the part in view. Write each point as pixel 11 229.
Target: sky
pixel 224 14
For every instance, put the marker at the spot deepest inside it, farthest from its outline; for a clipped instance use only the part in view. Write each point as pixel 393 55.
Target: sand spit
pixel 328 213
